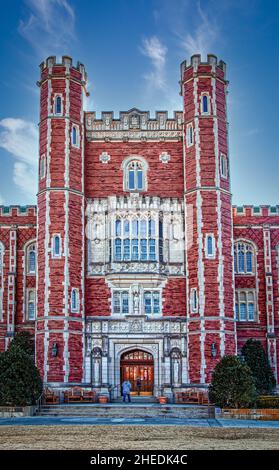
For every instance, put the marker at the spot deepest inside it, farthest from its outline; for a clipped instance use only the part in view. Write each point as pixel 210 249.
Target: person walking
pixel 138 385
pixel 126 390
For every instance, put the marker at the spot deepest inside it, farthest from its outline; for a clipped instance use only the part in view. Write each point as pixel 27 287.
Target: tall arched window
pixel 210 246
pixel 244 258
pixel 31 304
pixel 75 136
pixel 31 259
pixel 205 103
pixel 56 246
pixel 75 300
pixel 58 105
pixel 189 135
pixel 42 167
pixel 135 175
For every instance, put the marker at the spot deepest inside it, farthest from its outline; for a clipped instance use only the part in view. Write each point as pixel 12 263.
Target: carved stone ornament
pixel 104 157
pixel 164 157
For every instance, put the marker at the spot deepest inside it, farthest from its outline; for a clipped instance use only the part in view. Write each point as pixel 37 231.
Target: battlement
pixel 133 124
pixel 18 211
pixel 195 62
pixel 261 211
pixel 66 62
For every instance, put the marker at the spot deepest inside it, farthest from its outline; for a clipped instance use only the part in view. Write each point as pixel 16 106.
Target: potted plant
pixel 103 399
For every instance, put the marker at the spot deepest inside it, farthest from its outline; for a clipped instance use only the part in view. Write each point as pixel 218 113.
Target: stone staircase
pixel 128 410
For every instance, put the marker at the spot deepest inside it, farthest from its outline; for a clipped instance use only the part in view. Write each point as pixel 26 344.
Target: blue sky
pixel 132 50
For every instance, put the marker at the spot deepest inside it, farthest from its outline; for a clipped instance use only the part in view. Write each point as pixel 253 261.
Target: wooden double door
pixel 137 366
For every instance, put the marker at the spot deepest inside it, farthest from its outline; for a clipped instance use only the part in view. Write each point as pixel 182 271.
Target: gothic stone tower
pixel 210 286
pixel 60 292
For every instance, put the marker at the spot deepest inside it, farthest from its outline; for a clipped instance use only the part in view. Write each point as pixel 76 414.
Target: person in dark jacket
pixel 138 385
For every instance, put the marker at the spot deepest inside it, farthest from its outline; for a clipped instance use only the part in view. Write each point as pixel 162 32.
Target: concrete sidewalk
pixel 71 421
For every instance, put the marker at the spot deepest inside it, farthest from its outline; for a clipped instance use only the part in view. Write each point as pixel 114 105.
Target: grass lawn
pixel 135 437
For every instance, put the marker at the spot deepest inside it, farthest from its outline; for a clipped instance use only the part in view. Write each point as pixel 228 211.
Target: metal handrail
pixel 39 402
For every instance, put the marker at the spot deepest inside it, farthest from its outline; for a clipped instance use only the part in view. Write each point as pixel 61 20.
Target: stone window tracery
pixel 125 302
pixel 135 174
pixel 137 239
pixel 244 258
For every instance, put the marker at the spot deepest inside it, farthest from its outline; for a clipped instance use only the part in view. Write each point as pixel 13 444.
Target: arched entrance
pixel 135 365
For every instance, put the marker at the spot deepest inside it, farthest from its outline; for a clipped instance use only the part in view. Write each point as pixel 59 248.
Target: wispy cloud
pixel 204 35
pixel 156 52
pixel 20 139
pixel 251 132
pixel 49 26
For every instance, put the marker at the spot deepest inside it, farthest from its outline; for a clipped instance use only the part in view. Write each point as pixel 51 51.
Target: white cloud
pixel 20 139
pixel 156 52
pixel 50 26
pixel 203 37
pixel 2 201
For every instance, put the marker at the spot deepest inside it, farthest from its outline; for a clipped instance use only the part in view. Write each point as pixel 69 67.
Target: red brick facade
pixel 186 184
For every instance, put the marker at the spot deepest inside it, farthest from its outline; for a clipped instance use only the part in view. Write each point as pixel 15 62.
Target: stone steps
pixel 116 410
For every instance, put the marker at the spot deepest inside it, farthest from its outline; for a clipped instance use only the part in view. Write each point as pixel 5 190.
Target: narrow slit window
pixel 58 105
pixel 205 104
pixel 56 246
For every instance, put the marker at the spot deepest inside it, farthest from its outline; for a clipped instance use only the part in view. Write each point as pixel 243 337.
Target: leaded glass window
pixel 244 258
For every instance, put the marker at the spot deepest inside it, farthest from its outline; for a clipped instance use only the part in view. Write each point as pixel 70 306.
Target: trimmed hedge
pixel 267 402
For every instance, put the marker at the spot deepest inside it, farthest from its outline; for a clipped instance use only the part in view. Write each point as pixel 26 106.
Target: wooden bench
pixel 191 398
pixel 77 394
pixel 50 397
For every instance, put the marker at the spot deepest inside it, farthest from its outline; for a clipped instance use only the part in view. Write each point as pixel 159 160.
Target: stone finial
pixel 67 61
pixel 212 59
pixel 223 66
pixel 51 61
pixel 195 60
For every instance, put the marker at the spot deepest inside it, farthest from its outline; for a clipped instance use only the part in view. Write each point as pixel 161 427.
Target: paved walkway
pixel 204 423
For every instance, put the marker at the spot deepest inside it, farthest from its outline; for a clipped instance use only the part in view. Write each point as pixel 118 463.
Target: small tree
pixel 20 381
pixel 24 341
pixel 256 358
pixel 232 384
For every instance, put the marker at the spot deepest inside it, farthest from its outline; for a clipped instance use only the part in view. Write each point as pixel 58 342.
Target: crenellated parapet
pixel 18 214
pixel 259 211
pixel 52 66
pixel 133 125
pixel 197 64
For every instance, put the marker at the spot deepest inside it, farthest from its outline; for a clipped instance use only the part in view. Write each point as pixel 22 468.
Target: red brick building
pixel 134 264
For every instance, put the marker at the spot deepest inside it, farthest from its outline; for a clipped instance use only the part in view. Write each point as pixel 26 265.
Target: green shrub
pixel 20 381
pixel 257 359
pixel 232 384
pixel 24 341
